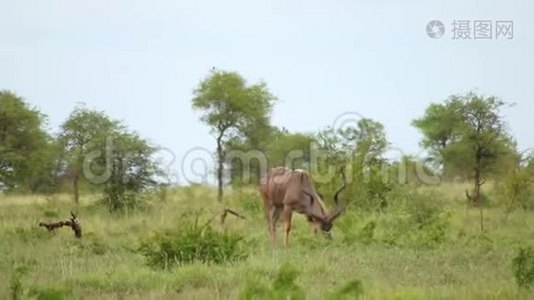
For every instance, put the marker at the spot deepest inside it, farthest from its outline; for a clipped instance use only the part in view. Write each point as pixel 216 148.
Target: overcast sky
pixel 140 60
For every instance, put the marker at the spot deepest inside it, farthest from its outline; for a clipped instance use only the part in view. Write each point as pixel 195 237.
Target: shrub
pixel 282 287
pixel 249 200
pixel 132 170
pixel 119 200
pixel 523 267
pixel 370 189
pixel 17 290
pixel 31 234
pixel 193 276
pixel 419 206
pixel 367 233
pixel 192 244
pixel 96 246
pixel 50 293
pixel 91 244
pixel 351 233
pixel 351 290
pixel 516 191
pixel 19 270
pixel 480 243
pixel 416 218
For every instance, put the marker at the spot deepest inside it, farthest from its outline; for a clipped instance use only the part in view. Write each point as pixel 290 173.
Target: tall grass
pixel 402 253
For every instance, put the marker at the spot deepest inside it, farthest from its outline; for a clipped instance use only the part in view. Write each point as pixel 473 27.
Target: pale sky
pixel 140 60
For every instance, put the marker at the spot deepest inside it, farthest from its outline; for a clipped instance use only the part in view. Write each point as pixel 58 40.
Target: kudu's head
pixel 326 220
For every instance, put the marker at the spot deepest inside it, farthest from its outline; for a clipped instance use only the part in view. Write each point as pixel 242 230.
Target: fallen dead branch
pixel 72 222
pixel 222 216
pixel 232 212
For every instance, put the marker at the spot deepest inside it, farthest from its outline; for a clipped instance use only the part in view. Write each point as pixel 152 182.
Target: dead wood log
pixel 232 212
pixel 72 222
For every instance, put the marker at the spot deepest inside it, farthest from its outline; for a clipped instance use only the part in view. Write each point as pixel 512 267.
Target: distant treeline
pixel 465 136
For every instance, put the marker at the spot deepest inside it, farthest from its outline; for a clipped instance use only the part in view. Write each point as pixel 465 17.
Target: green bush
pixel 282 287
pixel 421 207
pixel 480 242
pixel 416 218
pixel 353 232
pixel 351 290
pixel 19 271
pixel 523 267
pixel 16 287
pixel 516 191
pixel 91 244
pixel 50 293
pixel 193 243
pixel 96 245
pixel 367 233
pixel 120 201
pixel 30 234
pixel 249 200
pixel 192 276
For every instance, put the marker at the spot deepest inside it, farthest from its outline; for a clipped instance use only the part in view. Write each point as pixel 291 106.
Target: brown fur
pixel 283 191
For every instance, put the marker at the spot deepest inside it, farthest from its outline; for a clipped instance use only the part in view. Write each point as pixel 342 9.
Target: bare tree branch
pixel 232 212
pixel 468 196
pixel 73 223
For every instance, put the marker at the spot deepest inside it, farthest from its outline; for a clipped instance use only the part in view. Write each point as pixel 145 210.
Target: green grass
pixel 106 263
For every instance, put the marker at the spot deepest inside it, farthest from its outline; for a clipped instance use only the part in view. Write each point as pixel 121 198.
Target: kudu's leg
pixel 288 212
pixel 269 211
pixel 275 215
pixel 272 213
pixel 269 216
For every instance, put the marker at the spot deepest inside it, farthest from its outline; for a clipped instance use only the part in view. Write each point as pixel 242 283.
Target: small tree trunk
pixel 76 189
pixel 477 199
pixel 481 217
pixel 220 165
pixel 478 170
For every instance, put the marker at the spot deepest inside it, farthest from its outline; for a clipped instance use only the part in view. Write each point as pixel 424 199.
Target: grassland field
pixel 106 262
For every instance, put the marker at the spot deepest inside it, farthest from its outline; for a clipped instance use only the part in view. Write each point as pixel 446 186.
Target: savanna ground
pixel 403 252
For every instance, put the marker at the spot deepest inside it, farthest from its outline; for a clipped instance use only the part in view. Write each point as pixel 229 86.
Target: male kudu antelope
pixel 285 190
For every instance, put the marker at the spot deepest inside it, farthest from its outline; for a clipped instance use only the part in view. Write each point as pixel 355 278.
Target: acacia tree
pixel 438 126
pixel 230 106
pixel 277 147
pixel 27 153
pixel 360 150
pixel 479 140
pixel 484 132
pixel 367 142
pixel 530 165
pixel 292 150
pixel 84 131
pixel 132 170
pixel 109 156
